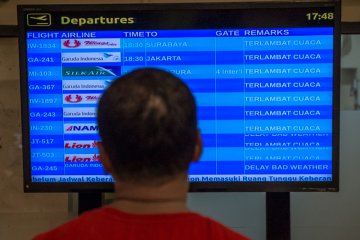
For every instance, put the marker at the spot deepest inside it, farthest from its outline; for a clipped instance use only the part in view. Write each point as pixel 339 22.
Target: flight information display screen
pixel 263 80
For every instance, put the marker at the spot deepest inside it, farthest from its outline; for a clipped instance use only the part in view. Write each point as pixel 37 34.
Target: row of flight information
pixel 264 98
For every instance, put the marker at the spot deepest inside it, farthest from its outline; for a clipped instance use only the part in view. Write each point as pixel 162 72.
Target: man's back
pixel 148 127
pixel 109 223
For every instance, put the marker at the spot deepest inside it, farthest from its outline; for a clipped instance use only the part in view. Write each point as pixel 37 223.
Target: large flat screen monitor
pixel 265 77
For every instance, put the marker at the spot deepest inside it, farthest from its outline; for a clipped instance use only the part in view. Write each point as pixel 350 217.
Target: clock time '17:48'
pixel 315 16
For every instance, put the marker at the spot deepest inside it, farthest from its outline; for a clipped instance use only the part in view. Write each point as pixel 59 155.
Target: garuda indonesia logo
pixel 38 19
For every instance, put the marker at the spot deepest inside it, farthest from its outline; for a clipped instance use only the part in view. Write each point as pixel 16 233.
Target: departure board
pixel 264 88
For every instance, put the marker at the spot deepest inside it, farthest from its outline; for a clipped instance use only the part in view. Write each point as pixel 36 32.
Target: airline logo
pixel 80 128
pixel 80 144
pixel 91 71
pixel 81 98
pixel 90 43
pixel 38 19
pixel 85 84
pixel 71 158
pixel 79 112
pixel 108 83
pixel 90 57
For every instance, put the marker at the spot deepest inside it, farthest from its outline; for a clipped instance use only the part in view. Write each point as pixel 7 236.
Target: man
pixel 148 126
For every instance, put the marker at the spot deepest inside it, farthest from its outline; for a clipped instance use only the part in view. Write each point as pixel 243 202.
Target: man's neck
pixel 169 197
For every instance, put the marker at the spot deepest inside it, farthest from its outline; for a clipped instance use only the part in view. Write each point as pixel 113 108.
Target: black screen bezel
pixel 30 186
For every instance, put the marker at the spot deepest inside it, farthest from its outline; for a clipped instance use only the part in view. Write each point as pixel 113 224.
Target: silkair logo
pixel 38 19
pixel 91 71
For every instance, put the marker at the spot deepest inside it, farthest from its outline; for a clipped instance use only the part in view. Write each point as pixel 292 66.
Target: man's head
pixel 147 123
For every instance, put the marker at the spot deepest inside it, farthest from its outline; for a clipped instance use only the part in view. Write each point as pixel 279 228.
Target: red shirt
pixel 107 223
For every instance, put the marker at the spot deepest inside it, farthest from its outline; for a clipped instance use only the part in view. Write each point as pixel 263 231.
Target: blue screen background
pixel 264 102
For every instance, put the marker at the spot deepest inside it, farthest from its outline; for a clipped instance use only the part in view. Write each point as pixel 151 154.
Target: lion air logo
pixel 96 157
pixel 72 43
pixel 82 158
pixel 73 98
pixel 80 144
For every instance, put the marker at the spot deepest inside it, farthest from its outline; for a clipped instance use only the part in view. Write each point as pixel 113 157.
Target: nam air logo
pixel 38 19
pixel 91 71
pixel 80 128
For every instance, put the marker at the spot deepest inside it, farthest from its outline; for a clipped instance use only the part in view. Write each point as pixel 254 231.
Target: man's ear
pixel 104 158
pixel 198 147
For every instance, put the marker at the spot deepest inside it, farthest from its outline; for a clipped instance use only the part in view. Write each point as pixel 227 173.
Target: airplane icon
pixel 41 18
pixel 38 19
pixel 107 55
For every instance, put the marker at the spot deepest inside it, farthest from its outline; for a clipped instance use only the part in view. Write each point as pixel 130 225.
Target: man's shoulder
pixel 102 221
pixel 219 231
pixel 68 230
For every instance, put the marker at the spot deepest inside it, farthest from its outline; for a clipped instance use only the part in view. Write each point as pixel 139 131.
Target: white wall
pixel 333 216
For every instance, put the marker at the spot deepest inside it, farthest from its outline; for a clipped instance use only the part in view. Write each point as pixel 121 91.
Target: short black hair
pixel 148 126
